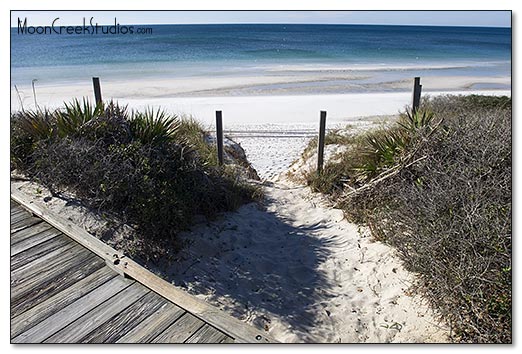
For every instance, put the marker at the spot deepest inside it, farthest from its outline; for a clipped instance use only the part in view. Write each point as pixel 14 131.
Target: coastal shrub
pixel 150 169
pixel 444 201
pixel 75 116
pixel 368 154
pixel 153 127
pixel 26 129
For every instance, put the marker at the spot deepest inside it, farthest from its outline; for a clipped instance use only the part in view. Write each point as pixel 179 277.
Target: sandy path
pixel 294 266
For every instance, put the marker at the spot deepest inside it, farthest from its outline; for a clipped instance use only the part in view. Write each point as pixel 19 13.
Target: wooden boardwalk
pixel 63 292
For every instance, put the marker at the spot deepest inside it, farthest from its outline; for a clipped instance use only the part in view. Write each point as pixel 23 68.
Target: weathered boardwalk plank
pixel 72 312
pixel 29 232
pixel 48 287
pixel 18 210
pixel 125 321
pixel 21 288
pixel 34 240
pixel 17 215
pixel 207 334
pixel 55 303
pixel 23 258
pixel 181 330
pixel 74 332
pixel 50 260
pixel 154 324
pixel 15 207
pixel 24 223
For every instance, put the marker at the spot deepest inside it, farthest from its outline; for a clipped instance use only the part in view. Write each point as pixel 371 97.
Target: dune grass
pixel 438 186
pixel 154 171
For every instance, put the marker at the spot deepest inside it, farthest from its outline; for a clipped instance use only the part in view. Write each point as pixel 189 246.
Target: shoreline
pixel 171 96
pixel 295 69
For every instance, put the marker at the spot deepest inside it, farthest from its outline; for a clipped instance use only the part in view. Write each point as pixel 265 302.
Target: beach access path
pixel 69 287
pixel 293 265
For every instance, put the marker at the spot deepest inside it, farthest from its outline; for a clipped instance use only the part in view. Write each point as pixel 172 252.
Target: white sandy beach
pixel 173 92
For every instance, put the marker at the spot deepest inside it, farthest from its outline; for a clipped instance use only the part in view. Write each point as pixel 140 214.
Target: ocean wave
pixel 377 67
pixel 286 53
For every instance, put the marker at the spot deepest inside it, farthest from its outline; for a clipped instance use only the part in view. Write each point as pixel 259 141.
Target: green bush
pixel 153 127
pixel 152 170
pixel 75 116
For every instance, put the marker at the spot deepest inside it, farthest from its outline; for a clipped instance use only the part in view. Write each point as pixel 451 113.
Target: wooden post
pixel 417 88
pixel 320 143
pixel 97 90
pixel 219 136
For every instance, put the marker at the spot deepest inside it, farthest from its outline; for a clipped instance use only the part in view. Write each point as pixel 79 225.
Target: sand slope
pixel 294 266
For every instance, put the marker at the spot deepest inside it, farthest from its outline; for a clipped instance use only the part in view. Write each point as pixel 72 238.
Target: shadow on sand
pixel 255 263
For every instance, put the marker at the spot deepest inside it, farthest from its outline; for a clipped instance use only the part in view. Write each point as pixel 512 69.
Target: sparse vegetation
pixel 437 186
pixel 333 137
pixel 152 170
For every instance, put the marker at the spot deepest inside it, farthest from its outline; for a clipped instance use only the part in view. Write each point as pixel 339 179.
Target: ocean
pixel 174 51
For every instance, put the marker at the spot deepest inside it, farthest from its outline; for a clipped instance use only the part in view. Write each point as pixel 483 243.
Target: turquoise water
pixel 202 50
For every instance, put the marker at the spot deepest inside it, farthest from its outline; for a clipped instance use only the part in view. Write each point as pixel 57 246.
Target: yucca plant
pixel 113 109
pixel 75 115
pixel 412 122
pixel 379 150
pixel 37 125
pixel 153 127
